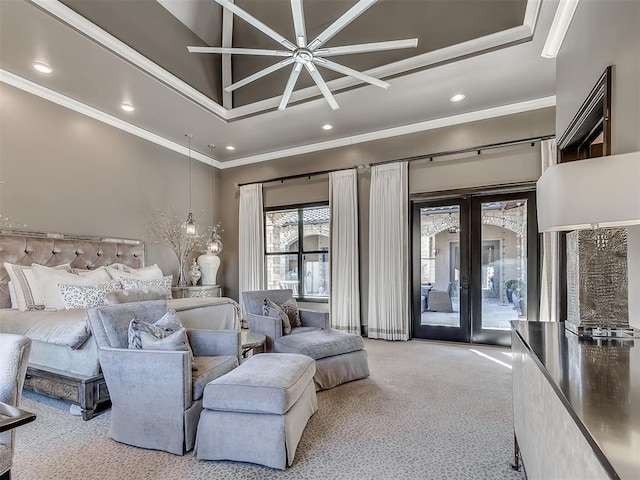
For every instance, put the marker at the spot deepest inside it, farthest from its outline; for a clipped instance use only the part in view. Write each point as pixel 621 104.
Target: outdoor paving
pixel 495 314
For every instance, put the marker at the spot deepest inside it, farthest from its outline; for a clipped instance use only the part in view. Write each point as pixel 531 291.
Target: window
pixel 290 263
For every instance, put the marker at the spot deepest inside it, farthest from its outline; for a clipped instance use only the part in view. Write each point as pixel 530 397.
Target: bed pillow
pixel 12 296
pixel 27 290
pixel 152 272
pixel 149 336
pixel 272 309
pixel 164 283
pixel 80 296
pixel 49 279
pixel 135 295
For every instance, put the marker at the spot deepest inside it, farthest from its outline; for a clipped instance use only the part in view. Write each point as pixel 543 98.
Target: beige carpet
pixel 429 411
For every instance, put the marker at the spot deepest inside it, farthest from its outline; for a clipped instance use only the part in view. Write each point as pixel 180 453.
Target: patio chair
pixel 440 300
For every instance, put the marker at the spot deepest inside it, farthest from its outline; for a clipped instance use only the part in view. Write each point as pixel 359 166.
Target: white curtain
pixel 345 289
pixel 549 277
pixel 251 240
pixel 388 253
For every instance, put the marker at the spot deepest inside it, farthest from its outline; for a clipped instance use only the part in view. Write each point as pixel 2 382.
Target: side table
pixel 252 342
pixel 197 291
pixel 12 417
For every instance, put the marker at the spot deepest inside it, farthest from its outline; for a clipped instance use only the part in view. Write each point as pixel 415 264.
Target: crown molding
pixel 485 114
pixel 67 102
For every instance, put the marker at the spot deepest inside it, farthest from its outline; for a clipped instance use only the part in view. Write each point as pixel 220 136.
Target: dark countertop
pixel 599 383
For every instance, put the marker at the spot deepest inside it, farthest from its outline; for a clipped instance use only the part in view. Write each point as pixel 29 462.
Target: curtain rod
pixel 299 175
pixel 429 156
pixel 479 149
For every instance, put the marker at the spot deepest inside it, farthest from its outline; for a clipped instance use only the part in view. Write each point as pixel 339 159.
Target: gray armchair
pixel 272 327
pixel 14 354
pixel 156 397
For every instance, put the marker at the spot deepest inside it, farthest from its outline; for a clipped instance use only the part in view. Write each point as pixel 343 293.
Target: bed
pixel 64 357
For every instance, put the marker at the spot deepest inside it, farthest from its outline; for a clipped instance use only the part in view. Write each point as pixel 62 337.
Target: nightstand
pixel 197 291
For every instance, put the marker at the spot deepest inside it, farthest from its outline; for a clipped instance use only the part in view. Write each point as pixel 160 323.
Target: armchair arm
pixel 270 327
pixel 315 318
pixel 211 343
pixel 135 376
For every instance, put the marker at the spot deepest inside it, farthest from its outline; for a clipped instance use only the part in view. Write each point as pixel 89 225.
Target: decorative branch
pixel 170 231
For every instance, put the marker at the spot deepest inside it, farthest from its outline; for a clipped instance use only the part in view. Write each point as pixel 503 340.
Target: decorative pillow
pixel 27 291
pixel 78 296
pixel 272 309
pixel 164 283
pixel 175 341
pixel 167 325
pixel 135 295
pixel 152 272
pixel 49 279
pixel 290 307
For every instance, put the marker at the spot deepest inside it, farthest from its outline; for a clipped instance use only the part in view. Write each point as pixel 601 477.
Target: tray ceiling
pixel 105 52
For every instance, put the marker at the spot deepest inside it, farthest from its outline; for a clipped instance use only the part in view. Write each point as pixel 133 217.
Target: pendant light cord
pixel 189 135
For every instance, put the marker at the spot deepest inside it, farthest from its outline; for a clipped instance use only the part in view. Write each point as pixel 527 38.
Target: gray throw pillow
pixel 176 341
pixel 290 307
pixel 163 328
pixel 272 309
pixel 135 295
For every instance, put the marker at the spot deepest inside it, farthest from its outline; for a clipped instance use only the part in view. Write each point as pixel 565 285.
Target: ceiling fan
pixel 307 54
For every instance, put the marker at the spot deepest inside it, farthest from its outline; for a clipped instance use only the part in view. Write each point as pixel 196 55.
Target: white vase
pixel 209 264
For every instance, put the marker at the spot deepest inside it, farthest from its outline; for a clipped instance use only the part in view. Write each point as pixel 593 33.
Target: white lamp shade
pixel 597 192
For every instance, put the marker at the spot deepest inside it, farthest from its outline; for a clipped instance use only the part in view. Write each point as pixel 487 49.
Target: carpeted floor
pixel 429 411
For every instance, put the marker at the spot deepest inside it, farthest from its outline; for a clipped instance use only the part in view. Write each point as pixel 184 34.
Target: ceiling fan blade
pixel 313 71
pixel 241 51
pixel 367 47
pixel 336 67
pixel 232 7
pixel 348 17
pixel 260 74
pixel 298 23
pixel 288 90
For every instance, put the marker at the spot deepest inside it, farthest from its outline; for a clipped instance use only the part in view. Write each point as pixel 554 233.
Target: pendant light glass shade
pixel 190 225
pixel 214 245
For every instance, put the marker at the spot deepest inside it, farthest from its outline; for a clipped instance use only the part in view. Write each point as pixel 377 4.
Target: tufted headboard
pixel 51 249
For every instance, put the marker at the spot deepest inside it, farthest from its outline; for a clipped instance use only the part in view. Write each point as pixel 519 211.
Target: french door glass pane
pixel 282 272
pixel 504 263
pixel 316 275
pixel 281 231
pixel 440 266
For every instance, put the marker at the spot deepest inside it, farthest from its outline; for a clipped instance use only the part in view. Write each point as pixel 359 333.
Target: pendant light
pixel 209 262
pixel 190 225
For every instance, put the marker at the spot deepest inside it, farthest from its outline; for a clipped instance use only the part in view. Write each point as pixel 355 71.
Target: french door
pixel 475 266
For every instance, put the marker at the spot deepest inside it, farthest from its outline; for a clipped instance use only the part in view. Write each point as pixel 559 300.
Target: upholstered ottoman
pixel 340 357
pixel 257 412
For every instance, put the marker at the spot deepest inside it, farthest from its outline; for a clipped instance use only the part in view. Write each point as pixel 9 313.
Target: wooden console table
pixel 576 403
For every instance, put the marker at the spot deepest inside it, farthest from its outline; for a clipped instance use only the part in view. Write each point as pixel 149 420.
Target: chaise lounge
pixel 340 357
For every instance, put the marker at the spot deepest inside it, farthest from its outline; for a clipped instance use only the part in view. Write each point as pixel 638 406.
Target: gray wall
pixel 501 166
pixel 604 33
pixel 65 172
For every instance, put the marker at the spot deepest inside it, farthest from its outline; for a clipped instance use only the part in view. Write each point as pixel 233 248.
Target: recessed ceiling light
pixel 42 67
pixel 327 127
pixel 458 97
pixel 230 147
pixel 127 107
